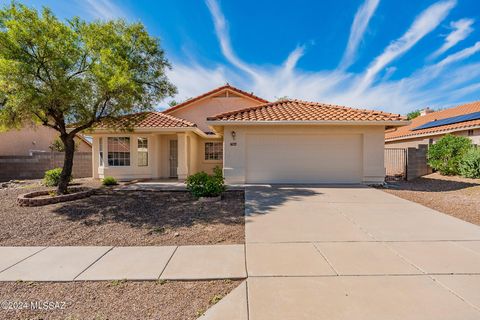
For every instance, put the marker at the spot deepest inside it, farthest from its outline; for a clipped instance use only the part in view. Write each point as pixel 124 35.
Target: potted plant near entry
pixel 207 187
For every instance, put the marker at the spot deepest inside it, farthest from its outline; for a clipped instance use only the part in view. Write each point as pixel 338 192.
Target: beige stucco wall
pixel 127 172
pixel 207 165
pixel 372 137
pixel 197 112
pixel 414 142
pixel 28 139
pixel 192 153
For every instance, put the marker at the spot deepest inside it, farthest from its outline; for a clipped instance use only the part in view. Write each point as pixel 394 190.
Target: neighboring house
pixel 29 139
pixel 288 141
pixel 430 126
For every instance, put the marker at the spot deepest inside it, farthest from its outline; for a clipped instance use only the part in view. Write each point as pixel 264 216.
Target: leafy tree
pixel 413 114
pixel 70 75
pixel 446 154
pixel 172 103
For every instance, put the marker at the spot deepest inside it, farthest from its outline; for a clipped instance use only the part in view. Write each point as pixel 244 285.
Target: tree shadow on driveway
pixel 262 199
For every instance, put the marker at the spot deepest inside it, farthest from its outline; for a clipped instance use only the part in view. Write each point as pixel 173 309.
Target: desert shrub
pixel 52 177
pixel 470 163
pixel 202 184
pixel 109 181
pixel 445 155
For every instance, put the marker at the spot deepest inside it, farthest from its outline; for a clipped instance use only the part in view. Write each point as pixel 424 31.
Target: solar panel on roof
pixel 451 120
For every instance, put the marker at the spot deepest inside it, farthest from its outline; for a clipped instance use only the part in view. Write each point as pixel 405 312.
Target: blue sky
pixel 391 55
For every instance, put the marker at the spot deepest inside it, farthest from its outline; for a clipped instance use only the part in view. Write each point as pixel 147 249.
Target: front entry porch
pixel 156 185
pixel 152 155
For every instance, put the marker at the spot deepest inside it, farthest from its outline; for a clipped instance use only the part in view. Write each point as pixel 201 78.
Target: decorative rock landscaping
pixel 210 199
pixel 42 198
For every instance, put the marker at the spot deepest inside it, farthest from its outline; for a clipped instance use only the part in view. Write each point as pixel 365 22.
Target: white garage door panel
pixel 313 158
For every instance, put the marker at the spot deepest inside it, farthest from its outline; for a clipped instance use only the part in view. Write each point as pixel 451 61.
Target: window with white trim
pixel 100 152
pixel 118 151
pixel 142 152
pixel 213 150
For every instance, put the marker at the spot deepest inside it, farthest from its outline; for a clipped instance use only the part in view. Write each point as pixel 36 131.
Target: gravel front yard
pixel 127 218
pixel 172 300
pixel 456 196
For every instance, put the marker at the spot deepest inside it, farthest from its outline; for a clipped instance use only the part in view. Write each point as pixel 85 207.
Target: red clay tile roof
pixel 297 110
pixel 146 120
pixel 407 132
pixel 206 94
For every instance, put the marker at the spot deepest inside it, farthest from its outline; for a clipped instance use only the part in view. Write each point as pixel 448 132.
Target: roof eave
pixel 152 130
pixel 394 123
pixel 428 134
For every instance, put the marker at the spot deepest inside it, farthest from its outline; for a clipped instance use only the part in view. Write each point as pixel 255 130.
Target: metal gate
pixel 396 164
pixel 173 158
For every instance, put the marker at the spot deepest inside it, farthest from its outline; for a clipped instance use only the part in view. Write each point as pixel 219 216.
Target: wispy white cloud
pixel 430 72
pixel 461 55
pixel 461 29
pixel 292 59
pixel 193 79
pixel 221 29
pixel 427 21
pixel 439 84
pixel 359 26
pixel 103 9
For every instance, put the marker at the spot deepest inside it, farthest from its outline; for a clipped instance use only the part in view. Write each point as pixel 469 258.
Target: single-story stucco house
pixel 253 140
pixel 34 138
pixel 430 126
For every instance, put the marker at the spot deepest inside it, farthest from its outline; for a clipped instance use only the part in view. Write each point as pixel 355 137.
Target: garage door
pixel 311 158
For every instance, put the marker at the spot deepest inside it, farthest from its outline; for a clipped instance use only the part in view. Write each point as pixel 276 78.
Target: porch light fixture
pixel 234 134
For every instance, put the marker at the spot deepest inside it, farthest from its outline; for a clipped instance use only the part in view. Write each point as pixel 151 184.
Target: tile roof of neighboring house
pixel 408 132
pixel 297 110
pixel 146 120
pixel 84 139
pixel 219 89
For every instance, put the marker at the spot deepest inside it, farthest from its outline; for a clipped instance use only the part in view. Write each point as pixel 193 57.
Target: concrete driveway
pixel 354 253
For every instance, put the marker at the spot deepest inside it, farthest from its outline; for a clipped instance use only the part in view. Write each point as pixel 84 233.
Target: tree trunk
pixel 69 144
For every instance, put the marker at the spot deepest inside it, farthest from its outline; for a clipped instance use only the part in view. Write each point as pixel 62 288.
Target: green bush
pixel 445 155
pixel 470 163
pixel 109 181
pixel 202 184
pixel 52 177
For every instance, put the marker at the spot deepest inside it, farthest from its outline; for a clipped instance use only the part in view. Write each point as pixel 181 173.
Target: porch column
pixel 182 168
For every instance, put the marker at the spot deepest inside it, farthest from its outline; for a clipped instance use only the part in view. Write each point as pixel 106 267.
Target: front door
pixel 173 158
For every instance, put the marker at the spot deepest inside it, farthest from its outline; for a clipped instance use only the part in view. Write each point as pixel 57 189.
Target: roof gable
pixel 214 92
pixel 408 131
pixel 297 110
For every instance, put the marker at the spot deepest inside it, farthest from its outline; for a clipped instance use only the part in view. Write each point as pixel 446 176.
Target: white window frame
pixel 142 150
pixel 122 158
pixel 214 152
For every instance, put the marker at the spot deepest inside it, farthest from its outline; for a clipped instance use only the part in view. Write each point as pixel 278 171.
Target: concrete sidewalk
pixel 130 263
